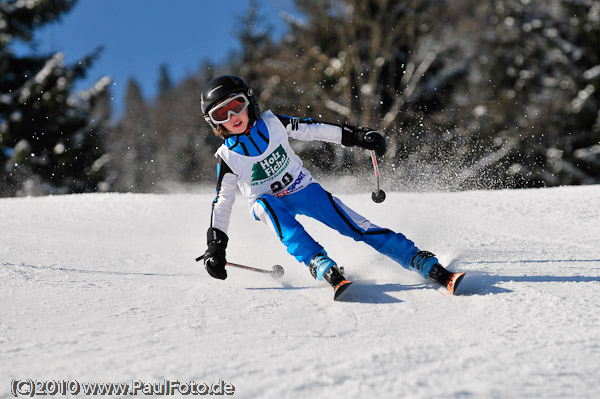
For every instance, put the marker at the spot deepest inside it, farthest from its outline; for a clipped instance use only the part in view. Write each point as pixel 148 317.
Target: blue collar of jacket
pixel 253 142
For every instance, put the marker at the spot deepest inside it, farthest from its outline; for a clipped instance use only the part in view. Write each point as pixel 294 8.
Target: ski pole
pixel 379 195
pixel 276 272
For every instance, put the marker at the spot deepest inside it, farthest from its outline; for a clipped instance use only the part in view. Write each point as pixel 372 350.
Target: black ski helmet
pixel 223 86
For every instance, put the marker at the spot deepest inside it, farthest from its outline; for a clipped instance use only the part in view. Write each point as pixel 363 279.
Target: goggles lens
pixel 234 105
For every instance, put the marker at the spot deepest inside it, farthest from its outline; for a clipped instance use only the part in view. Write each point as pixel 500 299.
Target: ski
pixel 339 288
pixel 454 281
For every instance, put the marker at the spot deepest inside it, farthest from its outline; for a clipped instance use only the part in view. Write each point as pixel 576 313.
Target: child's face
pixel 238 123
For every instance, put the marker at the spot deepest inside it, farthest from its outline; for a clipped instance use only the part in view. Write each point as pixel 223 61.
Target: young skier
pixel 256 156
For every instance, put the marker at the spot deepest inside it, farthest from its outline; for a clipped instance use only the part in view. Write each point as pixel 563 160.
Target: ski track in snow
pixel 104 288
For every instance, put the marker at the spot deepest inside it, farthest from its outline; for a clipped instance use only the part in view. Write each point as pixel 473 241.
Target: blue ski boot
pixel 427 264
pixel 321 266
pixel 423 263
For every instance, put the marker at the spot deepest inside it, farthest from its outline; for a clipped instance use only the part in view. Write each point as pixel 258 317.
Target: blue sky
pixel 139 35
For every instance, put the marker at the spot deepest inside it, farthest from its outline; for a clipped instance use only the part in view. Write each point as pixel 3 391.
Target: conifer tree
pixel 581 149
pixel 539 59
pixel 51 139
pixel 134 145
pixel 164 80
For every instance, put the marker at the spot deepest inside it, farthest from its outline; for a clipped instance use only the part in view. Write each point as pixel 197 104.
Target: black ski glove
pixel 363 137
pixel 214 257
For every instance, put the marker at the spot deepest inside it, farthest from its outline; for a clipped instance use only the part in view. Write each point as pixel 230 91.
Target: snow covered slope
pixel 104 288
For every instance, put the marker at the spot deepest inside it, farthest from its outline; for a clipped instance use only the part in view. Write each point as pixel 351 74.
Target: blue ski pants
pixel 315 202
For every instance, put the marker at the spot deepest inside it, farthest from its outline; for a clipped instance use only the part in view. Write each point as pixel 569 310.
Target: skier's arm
pixel 214 257
pixel 223 202
pixel 347 135
pixel 311 129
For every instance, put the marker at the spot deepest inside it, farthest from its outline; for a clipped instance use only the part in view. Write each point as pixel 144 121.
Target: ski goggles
pixel 232 106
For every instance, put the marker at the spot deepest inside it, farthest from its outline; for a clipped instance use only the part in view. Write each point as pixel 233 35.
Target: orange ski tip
pixel 454 281
pixel 340 288
pixel 343 282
